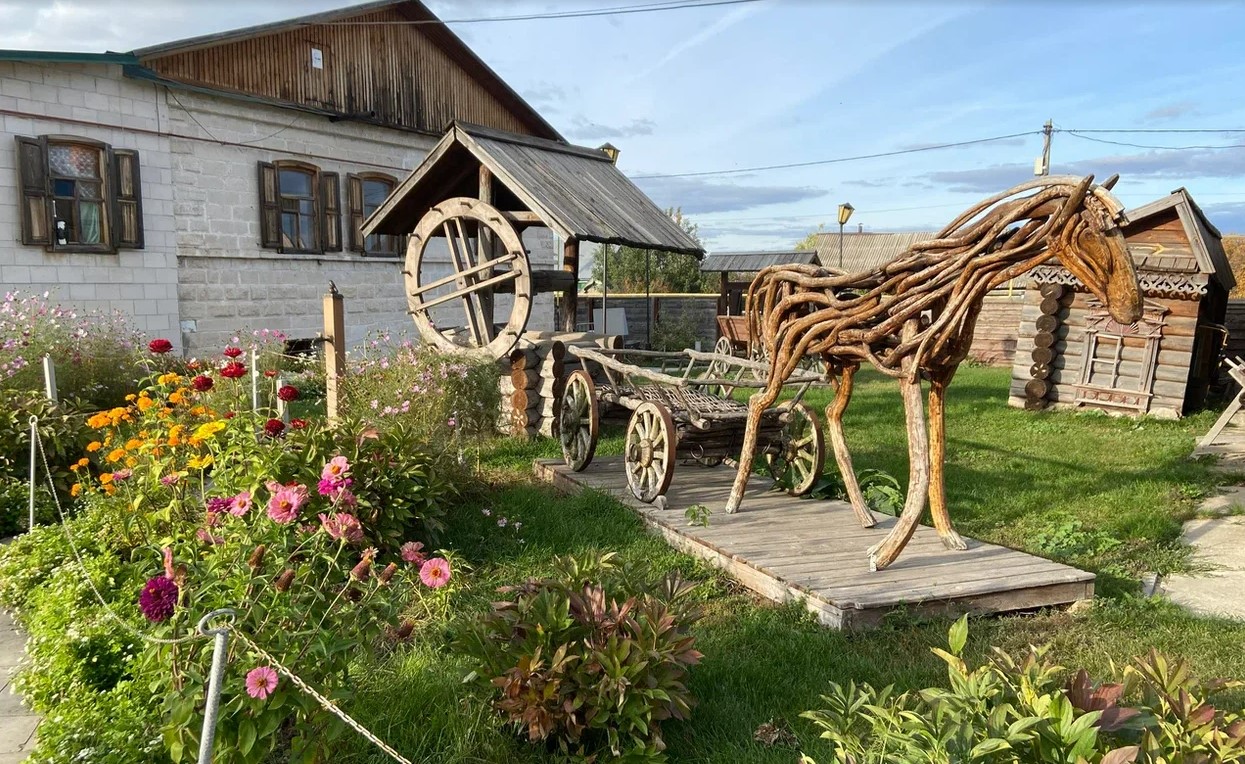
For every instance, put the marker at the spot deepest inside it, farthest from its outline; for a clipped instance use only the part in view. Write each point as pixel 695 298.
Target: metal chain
pixel 38 441
pixel 323 701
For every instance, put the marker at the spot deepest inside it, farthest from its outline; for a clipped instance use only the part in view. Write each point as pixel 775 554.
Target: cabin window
pixel 300 208
pixel 79 195
pixel 366 193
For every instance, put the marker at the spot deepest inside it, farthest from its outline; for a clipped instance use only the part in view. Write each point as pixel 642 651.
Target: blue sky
pixel 786 81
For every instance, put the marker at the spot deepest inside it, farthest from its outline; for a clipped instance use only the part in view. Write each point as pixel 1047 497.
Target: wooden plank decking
pixel 814 551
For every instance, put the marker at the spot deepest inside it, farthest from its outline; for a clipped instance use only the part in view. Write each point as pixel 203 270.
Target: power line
pixel 1078 134
pixel 837 160
pixel 585 13
pixel 1156 130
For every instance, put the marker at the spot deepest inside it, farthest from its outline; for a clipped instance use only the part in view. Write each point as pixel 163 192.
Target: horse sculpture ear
pixel 1110 182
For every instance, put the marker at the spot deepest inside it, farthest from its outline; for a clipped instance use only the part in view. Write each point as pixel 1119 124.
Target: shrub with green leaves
pixel 1030 712
pixel 590 660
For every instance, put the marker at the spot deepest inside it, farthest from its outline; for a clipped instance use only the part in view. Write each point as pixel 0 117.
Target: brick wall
pixel 96 102
pixel 699 311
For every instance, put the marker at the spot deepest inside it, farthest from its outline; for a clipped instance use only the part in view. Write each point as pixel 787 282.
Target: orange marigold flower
pixel 97 421
pixel 133 444
pixel 83 462
pixel 176 398
pixel 116 455
pixel 131 461
pixel 131 397
pixel 199 410
pixel 105 478
pixel 75 489
pixel 94 446
pixel 145 403
pixel 110 490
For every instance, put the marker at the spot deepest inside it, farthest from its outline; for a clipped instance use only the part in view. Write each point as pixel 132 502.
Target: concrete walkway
pixel 1219 546
pixel 17 723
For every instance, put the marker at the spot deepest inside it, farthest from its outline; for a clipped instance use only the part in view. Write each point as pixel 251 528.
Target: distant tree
pixel 810 242
pixel 668 271
pixel 1234 247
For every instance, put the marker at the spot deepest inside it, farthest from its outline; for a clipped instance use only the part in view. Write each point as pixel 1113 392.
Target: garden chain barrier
pixel 323 701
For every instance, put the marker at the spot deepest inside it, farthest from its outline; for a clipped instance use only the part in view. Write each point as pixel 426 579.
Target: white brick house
pixel 217 184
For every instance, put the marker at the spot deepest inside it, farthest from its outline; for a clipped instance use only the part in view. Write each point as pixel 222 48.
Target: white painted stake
pixel 34 439
pixel 254 380
pixel 283 408
pixel 49 379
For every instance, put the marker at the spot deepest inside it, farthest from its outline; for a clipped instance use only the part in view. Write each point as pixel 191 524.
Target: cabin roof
pixel 864 250
pixel 751 262
pixel 1204 239
pixel 575 191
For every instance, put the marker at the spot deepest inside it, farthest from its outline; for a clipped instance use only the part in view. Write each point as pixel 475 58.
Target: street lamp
pixel 845 213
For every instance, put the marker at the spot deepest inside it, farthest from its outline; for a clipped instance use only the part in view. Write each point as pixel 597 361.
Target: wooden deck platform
pixel 814 551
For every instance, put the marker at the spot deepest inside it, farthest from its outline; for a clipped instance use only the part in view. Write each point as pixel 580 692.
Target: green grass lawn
pixel 1104 493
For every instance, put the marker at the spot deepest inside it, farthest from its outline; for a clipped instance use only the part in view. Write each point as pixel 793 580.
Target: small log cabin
pixel 1071 354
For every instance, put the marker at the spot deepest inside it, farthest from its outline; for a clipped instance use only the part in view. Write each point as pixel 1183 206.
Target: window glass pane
pixel 88 190
pixel 92 229
pixel 295 183
pixel 306 232
pixel 289 230
pixel 306 207
pixel 64 221
pixel 63 187
pixel 374 194
pixel 74 161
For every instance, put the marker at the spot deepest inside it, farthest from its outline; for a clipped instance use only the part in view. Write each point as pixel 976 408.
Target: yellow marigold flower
pixel 94 446
pixel 145 403
pixel 131 397
pixel 75 489
pixel 168 379
pixel 105 478
pixel 83 462
pixel 131 461
pixel 199 462
pixel 208 429
pixel 133 444
pixel 196 442
pixel 116 455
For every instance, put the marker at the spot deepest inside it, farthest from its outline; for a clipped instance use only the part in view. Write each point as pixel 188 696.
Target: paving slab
pixel 1220 548
pixel 17 722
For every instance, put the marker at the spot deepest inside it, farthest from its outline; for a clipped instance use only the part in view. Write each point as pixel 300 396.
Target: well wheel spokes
pixel 649 452
pixel 800 454
pixel 579 421
pixel 485 256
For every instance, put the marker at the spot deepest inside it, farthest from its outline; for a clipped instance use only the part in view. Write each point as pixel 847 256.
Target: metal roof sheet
pixel 576 191
pixel 751 262
pixel 864 251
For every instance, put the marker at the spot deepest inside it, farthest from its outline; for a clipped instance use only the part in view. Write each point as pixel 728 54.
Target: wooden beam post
pixel 485 245
pixel 334 351
pixel 570 297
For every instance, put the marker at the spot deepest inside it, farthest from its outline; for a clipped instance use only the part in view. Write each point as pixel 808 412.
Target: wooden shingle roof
pixel 751 262
pixel 863 251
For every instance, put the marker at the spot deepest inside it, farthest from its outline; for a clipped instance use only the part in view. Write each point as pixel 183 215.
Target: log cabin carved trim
pixel 1101 383
pixel 1175 286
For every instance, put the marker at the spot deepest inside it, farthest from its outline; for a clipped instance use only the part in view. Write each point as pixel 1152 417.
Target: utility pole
pixel 1042 165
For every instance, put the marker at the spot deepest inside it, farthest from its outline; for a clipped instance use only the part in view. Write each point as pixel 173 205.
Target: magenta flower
pixel 261 682
pixel 169 479
pixel 122 475
pixel 241 504
pixel 337 470
pixel 158 599
pixel 435 573
pixel 218 504
pixel 412 552
pixel 342 526
pixel 285 502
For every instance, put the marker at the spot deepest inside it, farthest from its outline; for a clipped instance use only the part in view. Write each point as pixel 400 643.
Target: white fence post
pixel 34 443
pixel 283 408
pixel 254 380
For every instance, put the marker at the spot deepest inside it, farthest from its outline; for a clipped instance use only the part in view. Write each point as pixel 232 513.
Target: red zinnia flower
pixel 230 414
pixel 274 427
pixel 297 423
pixel 270 373
pixel 233 352
pixel 201 383
pixel 233 370
pixel 288 393
pixel 160 346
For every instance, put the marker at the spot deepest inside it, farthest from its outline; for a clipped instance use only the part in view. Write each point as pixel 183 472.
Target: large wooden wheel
pixel 801 453
pixel 720 369
pixel 478 273
pixel 649 452
pixel 579 421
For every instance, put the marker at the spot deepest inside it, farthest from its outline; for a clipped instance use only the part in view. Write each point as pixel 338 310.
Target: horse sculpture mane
pixel 913 319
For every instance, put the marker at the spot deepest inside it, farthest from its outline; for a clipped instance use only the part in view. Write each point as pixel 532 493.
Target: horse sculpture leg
pixel 757 404
pixel 834 427
pixel 937 465
pixel 884 553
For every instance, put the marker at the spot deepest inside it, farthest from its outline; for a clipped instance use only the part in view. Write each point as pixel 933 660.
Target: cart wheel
pixel 649 452
pixel 803 451
pixel 721 369
pixel 724 346
pixel 579 422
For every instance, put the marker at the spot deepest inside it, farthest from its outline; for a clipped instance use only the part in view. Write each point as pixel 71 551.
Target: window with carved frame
pixel 365 193
pixel 300 208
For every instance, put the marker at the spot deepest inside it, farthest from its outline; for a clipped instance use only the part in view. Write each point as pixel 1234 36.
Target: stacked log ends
pixel 551 383
pixel 525 396
pixel 1038 388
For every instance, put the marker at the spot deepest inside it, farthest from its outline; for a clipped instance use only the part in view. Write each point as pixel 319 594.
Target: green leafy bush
pixel 1030 712
pixel 675 334
pixel 590 660
pixel 15 506
pixel 62 429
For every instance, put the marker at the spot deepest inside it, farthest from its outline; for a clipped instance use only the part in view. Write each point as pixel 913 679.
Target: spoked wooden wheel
pixel 579 421
pixel 719 369
pixel 486 256
pixel 649 453
pixel 801 454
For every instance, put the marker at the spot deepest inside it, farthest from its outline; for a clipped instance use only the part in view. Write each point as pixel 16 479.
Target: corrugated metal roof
pixel 751 262
pixel 864 251
pixel 576 191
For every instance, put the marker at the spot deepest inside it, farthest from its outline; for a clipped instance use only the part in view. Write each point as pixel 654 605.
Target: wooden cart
pixel 735 334
pixel 679 414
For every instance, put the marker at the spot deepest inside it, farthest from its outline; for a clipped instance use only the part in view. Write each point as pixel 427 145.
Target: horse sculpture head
pixel 1087 240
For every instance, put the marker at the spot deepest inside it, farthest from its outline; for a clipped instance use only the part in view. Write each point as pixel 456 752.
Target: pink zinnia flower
pixel 337 470
pixel 121 475
pixel 260 682
pixel 412 551
pixel 241 504
pixel 169 479
pixel 435 573
pixel 285 502
pixel 342 526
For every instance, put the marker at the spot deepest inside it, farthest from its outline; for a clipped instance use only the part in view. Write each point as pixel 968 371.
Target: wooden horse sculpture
pixel 914 318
